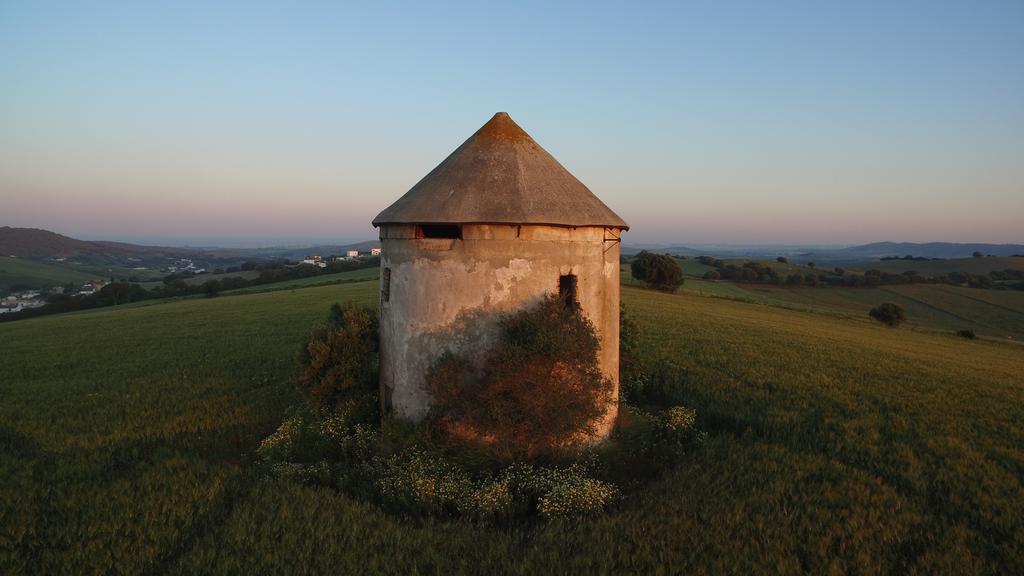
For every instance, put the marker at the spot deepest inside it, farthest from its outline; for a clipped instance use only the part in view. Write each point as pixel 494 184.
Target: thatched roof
pixel 500 176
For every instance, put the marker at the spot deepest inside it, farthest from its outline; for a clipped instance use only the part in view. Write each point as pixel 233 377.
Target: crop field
pixel 834 446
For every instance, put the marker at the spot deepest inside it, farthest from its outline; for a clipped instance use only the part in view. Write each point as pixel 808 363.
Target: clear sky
pixel 704 122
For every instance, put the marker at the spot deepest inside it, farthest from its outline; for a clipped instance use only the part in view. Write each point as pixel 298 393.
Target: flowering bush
pixel 421 482
pixel 578 497
pixel 493 499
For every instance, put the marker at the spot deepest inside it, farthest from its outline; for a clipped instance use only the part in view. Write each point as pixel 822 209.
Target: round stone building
pixel 494 227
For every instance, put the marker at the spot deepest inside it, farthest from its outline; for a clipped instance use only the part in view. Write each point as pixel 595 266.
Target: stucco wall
pixel 443 295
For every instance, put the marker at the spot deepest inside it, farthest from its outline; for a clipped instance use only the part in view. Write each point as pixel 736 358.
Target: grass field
pixel 835 446
pixel 991 313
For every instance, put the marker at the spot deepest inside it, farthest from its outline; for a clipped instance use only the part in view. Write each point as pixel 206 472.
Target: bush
pixel 890 314
pixel 969 334
pixel 538 390
pixel 340 357
pixel 650 443
pixel 295 451
pixel 782 259
pixel 658 271
pixel 576 497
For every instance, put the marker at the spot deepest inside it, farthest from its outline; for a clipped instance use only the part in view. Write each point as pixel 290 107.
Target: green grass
pixel 835 446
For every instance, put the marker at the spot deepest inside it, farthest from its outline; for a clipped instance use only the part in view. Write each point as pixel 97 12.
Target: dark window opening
pixel 451 231
pixel 567 291
pixel 385 285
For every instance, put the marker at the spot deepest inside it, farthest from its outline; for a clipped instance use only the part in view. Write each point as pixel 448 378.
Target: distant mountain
pixel 631 249
pixel 36 243
pixel 933 249
pixel 845 255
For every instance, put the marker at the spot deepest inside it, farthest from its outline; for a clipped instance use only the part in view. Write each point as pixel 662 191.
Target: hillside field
pixel 936 267
pixel 835 446
pixel 25 272
pixel 930 307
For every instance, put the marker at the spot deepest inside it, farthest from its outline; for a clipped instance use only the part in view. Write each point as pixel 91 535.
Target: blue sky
pixel 716 122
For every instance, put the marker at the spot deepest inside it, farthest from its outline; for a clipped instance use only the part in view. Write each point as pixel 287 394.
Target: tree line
pixel 752 272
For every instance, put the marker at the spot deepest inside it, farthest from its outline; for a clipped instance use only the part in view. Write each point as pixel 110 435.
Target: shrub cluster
pixel 748 272
pixel 337 440
pixel 418 479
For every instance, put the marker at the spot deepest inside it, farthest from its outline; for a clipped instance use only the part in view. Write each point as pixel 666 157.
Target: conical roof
pixel 500 176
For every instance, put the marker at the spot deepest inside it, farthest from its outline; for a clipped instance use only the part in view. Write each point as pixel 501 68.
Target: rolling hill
pixel 843 256
pixel 834 445
pixel 37 243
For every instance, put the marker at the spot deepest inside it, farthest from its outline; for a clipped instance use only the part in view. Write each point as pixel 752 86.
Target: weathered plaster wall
pixel 444 295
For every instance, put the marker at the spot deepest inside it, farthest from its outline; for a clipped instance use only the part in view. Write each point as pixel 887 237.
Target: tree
pixel 811 264
pixel 978 254
pixel 340 357
pixel 890 314
pixel 211 288
pixel 782 259
pixel 658 271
